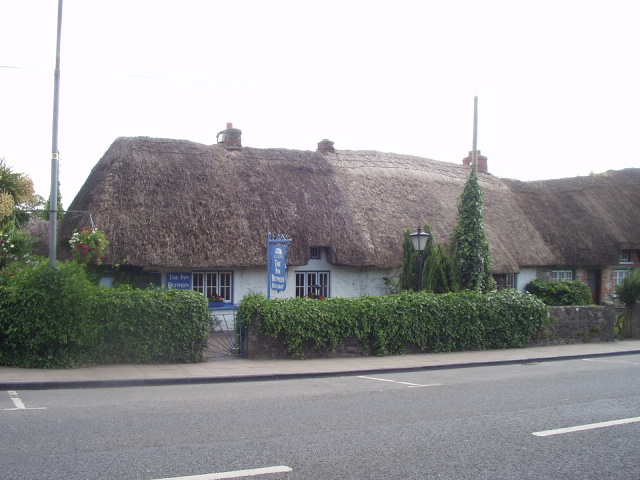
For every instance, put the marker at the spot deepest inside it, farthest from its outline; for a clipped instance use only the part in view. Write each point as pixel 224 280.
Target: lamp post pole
pixel 420 268
pixel 53 197
pixel 420 240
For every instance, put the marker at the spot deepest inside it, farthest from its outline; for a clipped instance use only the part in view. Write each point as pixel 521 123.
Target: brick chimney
pixel 482 162
pixel 230 138
pixel 326 146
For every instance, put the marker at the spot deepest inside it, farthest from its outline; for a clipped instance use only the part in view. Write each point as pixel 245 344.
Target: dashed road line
pixel 410 385
pixel 591 426
pixel 19 404
pixel 625 362
pixel 236 474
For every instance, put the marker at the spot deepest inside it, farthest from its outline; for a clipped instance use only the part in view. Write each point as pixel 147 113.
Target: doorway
pixel 594 279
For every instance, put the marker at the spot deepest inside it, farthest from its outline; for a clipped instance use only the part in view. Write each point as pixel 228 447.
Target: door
pixel 594 279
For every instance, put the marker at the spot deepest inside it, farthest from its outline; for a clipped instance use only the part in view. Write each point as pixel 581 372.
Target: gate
pixel 227 337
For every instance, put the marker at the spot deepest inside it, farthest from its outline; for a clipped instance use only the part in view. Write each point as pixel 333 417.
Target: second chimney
pixel 230 138
pixel 482 162
pixel 326 146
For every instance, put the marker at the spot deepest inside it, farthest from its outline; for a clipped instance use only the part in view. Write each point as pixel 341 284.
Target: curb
pixel 168 381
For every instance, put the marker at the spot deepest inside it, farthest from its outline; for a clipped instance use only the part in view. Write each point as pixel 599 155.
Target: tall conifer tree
pixel 471 263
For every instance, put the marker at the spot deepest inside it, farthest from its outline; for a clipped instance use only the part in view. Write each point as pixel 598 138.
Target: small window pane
pixel 225 285
pixel 198 282
pixel 212 284
pixel 323 282
pixel 300 285
pixel 562 275
pixel 619 276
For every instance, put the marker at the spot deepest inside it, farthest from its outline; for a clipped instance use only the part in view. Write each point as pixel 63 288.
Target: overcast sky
pixel 557 80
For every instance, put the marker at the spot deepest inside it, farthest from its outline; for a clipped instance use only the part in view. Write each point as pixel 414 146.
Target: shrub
pixel 629 289
pixel 155 325
pixel 385 325
pixel 57 318
pixel 15 246
pixel 45 316
pixel 561 293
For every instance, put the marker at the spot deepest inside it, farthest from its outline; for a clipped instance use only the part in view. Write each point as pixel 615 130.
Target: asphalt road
pixel 498 422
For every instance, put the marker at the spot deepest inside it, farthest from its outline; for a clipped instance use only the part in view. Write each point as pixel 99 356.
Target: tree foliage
pixel 470 260
pixel 437 276
pixel 15 189
pixel 629 289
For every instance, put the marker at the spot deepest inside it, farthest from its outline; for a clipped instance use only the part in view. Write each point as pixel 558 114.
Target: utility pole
pixel 474 157
pixel 53 197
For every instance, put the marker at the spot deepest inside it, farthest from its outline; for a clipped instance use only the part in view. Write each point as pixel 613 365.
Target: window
pixel 312 283
pixel 213 283
pixel 562 275
pixel 315 253
pixel 512 280
pixel 146 279
pixel 619 275
pixel 625 256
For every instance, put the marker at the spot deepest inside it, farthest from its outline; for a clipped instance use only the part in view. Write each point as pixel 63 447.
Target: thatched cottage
pixel 198 216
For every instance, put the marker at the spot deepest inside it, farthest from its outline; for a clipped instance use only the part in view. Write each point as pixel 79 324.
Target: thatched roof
pixel 584 220
pixel 177 203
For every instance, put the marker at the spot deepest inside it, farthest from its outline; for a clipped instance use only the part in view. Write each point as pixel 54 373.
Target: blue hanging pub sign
pixel 277 263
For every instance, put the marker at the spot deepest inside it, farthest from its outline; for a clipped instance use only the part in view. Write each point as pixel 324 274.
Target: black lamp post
pixel 420 240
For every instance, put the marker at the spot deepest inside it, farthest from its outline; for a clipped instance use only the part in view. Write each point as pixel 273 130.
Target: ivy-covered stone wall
pixel 565 325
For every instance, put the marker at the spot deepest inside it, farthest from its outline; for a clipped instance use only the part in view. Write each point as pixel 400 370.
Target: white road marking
pixel 16 400
pixel 591 426
pixel 610 361
pixel 19 405
pixel 410 385
pixel 236 474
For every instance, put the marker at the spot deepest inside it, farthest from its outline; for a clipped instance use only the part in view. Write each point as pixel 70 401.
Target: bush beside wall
pixel 561 293
pixel 393 324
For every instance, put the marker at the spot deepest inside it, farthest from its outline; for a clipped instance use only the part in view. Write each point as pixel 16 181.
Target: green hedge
pixel 57 318
pixel 385 325
pixel 150 326
pixel 561 293
pixel 43 316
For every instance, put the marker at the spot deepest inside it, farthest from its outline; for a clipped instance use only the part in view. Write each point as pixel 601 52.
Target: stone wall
pixel 578 325
pixel 566 325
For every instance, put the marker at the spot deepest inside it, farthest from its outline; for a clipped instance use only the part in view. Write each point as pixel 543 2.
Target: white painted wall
pixel 525 276
pixel 345 282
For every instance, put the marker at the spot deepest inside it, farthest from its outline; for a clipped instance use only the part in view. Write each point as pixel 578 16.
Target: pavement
pixel 238 369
